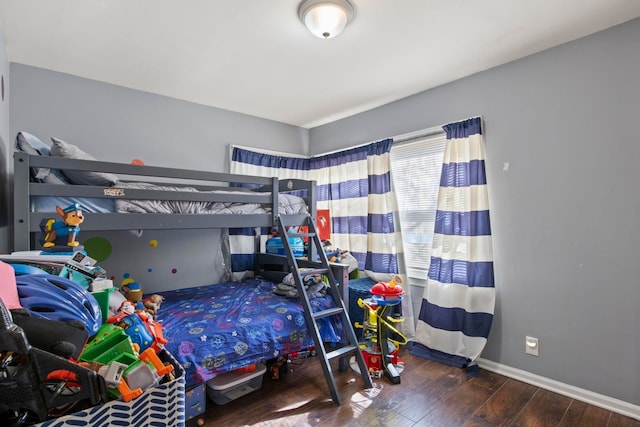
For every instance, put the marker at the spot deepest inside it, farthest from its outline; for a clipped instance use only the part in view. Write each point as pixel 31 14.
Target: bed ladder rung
pixel 351 345
pixel 326 313
pixel 301 235
pixel 342 351
pixel 315 271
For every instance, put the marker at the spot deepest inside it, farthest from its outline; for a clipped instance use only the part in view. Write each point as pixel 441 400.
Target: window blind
pixel 415 168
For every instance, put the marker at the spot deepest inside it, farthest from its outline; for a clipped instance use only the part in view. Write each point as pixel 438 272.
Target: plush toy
pixel 152 304
pixel 133 292
pixel 134 301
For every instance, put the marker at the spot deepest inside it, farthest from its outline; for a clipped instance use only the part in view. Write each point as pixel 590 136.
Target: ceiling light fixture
pixel 326 18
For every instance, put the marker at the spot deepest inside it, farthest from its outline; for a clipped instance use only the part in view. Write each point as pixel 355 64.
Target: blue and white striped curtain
pixel 258 163
pixel 264 163
pixel 355 185
pixel 458 303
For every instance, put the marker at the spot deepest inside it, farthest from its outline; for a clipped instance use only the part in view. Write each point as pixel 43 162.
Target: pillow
pixel 26 142
pixel 61 148
pixel 55 177
pixel 33 146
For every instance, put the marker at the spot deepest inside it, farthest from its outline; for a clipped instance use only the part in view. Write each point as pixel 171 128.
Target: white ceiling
pixel 256 57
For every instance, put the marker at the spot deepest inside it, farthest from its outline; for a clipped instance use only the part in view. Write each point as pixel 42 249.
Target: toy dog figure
pixel 62 233
pixel 152 303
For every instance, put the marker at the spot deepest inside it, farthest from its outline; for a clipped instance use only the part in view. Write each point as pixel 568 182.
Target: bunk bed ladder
pixel 351 346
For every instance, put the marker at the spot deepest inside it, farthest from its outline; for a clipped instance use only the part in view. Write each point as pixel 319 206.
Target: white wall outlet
pixel 532 346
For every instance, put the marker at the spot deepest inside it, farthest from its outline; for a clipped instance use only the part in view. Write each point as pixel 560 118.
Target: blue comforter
pixel 218 328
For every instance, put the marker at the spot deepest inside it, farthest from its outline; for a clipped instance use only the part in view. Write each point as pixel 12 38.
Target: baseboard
pixel 606 402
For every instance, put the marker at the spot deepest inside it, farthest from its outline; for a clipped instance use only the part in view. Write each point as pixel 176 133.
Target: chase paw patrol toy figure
pixel 60 236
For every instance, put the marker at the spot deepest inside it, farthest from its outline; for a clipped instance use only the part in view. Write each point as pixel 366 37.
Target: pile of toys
pixel 60 349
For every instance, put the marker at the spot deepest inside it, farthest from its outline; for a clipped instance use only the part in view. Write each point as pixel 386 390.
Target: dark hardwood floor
pixel 430 394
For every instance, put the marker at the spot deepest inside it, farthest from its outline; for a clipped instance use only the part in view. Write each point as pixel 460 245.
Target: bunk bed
pixel 206 325
pixel 116 204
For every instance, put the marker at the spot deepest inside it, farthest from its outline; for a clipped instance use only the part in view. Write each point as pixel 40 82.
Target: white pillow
pixel 61 148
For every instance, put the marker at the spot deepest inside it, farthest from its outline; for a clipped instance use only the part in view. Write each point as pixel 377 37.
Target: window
pixel 415 169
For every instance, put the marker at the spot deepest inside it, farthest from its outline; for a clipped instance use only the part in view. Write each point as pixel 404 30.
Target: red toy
pixel 390 292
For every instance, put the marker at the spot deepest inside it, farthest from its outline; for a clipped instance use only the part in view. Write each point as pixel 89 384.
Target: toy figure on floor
pixel 381 340
pixel 60 236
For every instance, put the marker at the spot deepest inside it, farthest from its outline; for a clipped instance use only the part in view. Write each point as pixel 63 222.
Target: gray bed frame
pixel 26 224
pixel 271 267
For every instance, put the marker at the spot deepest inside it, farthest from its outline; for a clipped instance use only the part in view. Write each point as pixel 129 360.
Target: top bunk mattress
pixel 288 204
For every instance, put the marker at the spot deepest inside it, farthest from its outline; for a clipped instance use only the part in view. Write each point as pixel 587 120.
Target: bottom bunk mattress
pixel 218 328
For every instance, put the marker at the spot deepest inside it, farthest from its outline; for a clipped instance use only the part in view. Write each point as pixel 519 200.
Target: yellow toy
pixel 381 340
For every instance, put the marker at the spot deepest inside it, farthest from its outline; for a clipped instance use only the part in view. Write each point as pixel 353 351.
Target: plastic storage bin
pixel 195 402
pixel 230 386
pixel 162 406
pixel 274 246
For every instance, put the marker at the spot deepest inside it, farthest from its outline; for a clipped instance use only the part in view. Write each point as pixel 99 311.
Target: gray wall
pixel 118 124
pixel 5 148
pixel 565 213
pixel 115 123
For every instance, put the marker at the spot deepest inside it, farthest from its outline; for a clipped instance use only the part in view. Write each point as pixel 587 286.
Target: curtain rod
pixel 398 139
pixel 408 137
pixel 265 151
pixel 411 136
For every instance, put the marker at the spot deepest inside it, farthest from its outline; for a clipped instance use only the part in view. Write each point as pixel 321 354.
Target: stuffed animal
pixel 134 301
pixel 152 304
pixel 133 292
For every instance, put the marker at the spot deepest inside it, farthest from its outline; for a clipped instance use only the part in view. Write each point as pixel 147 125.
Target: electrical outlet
pixel 532 346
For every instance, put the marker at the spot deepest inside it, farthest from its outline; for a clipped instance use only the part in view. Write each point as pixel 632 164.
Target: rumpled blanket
pixel 314 285
pixel 288 204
